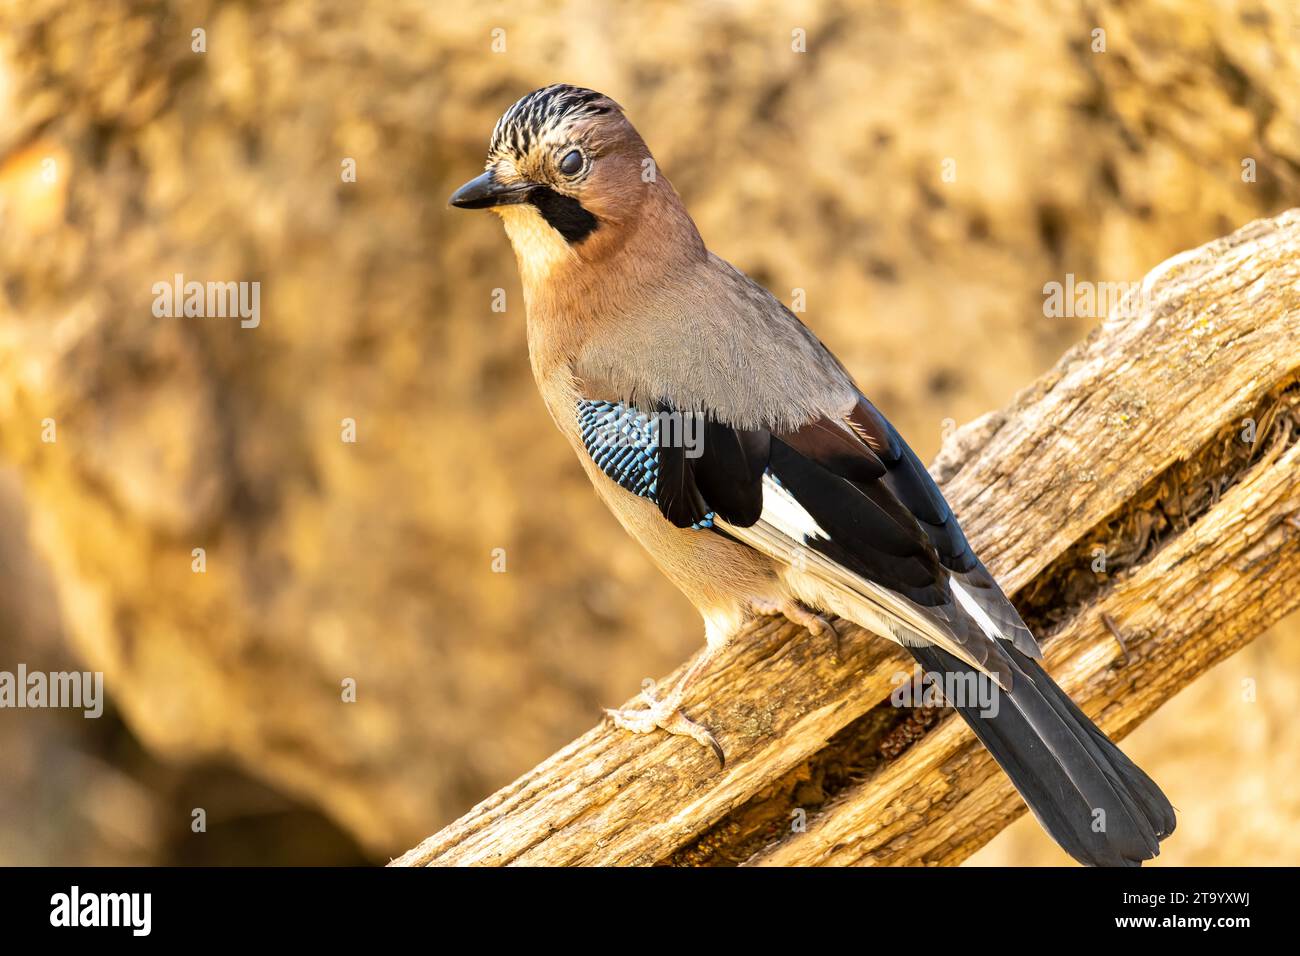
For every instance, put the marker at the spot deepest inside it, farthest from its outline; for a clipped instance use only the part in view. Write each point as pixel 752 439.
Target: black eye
pixel 571 163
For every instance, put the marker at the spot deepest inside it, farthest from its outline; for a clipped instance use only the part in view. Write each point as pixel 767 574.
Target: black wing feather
pixel 870 533
pixel 729 470
pixel 912 485
pixel 679 497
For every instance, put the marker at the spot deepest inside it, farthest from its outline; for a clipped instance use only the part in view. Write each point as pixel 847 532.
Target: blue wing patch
pixel 623 441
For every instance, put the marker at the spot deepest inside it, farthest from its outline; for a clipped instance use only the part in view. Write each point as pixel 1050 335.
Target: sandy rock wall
pixel 919 173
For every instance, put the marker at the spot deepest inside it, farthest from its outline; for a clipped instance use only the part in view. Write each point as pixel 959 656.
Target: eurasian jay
pixel 741 454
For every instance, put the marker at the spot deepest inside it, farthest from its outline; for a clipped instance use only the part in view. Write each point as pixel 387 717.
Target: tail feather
pixel 1087 795
pixel 1155 805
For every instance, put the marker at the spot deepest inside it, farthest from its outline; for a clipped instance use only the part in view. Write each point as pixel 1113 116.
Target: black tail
pixel 1088 796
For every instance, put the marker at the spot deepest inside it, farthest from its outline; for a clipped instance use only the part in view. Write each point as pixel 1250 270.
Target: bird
pixel 742 455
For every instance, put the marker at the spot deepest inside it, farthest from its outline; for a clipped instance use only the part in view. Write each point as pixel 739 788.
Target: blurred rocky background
pixel 920 170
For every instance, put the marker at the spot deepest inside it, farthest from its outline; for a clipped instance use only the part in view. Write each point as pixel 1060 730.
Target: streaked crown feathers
pixel 534 114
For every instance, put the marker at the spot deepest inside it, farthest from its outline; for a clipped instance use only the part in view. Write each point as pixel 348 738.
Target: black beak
pixel 484 191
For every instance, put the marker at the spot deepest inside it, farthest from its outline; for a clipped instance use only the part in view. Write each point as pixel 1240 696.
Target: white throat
pixel 538 247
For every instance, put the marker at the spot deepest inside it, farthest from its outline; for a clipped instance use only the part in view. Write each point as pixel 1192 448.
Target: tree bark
pixel 1140 502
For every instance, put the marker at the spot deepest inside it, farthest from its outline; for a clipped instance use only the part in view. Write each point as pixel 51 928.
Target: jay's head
pixel 568 175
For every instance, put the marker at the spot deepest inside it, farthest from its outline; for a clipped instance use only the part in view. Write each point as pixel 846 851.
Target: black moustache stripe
pixel 564 214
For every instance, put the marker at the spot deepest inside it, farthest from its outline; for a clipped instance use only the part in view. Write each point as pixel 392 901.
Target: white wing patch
pixel 971 607
pixel 784 530
pixel 786 515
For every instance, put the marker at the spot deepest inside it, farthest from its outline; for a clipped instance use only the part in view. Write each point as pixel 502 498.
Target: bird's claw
pixel 821 626
pixel 664 715
pixel 816 624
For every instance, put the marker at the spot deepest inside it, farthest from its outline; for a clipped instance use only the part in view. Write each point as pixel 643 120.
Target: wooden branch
pixel 1141 502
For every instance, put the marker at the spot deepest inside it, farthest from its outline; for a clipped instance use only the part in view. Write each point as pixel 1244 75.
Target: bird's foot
pixel 664 714
pixel 816 624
